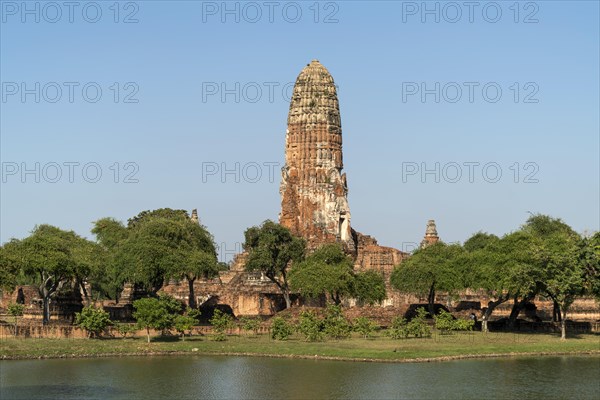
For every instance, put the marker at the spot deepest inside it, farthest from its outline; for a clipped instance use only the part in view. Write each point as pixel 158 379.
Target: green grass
pixel 378 348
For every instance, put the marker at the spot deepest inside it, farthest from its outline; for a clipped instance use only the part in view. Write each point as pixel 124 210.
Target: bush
pixel 184 323
pixel 15 310
pixel 311 326
pixel 464 325
pixel 364 326
pixel 398 329
pixel 125 329
pixel 221 322
pixel 335 324
pixel 281 329
pixel 93 320
pixel 417 326
pixel 445 322
pixel 250 324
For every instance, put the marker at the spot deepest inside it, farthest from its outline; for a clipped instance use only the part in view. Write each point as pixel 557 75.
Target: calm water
pixel 217 377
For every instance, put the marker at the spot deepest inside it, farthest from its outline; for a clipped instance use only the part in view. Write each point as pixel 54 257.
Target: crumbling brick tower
pixel 314 202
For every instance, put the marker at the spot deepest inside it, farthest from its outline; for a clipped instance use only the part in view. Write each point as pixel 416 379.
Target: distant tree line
pixel 543 257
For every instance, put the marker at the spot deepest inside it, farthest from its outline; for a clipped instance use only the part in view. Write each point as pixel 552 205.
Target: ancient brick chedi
pixel 314 202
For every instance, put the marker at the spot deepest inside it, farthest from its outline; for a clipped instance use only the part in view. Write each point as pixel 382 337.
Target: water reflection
pixel 214 377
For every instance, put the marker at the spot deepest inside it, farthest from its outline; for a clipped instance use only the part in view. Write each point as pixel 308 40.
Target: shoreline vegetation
pixel 439 347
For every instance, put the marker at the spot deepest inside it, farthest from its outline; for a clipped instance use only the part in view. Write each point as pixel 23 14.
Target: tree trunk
pixel 516 310
pixel 148 334
pixel 192 296
pixel 563 325
pixel 556 312
pixel 431 300
pixel 46 310
pixel 288 301
pixel 490 309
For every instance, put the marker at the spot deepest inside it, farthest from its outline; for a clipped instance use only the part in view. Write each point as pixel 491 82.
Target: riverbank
pixel 380 348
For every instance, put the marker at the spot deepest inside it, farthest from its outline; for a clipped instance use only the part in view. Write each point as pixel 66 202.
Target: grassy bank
pixel 458 345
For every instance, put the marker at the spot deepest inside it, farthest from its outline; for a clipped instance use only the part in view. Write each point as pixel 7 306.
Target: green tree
pixel 558 254
pixel 364 326
pixel 590 262
pixel 272 249
pixel 438 267
pixel 93 320
pixel 156 313
pixel 109 280
pixel 281 329
pixel 327 271
pixel 15 310
pixel 310 326
pixel 503 268
pixel 369 287
pixel 444 321
pixel 49 258
pixel 221 322
pixel 184 323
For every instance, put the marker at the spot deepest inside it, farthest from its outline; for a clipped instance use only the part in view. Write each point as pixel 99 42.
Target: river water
pixel 220 377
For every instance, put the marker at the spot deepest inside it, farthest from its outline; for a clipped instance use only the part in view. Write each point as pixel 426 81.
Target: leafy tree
pixel 479 241
pixel 15 310
pixel 156 313
pixel 281 329
pixel 221 322
pixel 335 325
pixel 503 268
pixel 250 324
pixel 49 257
pixel 556 253
pixel 93 320
pixel 369 287
pixel 438 267
pixel 364 326
pixel 109 280
pixel 272 249
pixel 559 254
pixel 184 323
pixel 327 271
pixel 160 213
pixel 590 262
pixel 310 326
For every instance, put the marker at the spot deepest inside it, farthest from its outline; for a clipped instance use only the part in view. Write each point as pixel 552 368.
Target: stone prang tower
pixel 314 202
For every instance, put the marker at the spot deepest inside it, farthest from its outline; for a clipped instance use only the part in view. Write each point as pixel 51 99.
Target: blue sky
pixel 186 93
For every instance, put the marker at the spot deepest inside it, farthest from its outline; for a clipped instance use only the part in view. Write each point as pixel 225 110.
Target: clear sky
pixel 437 99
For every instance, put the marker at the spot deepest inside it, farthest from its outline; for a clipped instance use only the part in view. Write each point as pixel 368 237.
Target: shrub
pixel 364 326
pixel 417 326
pixel 444 321
pixel 125 329
pixel 335 324
pixel 184 323
pixel 221 322
pixel 93 320
pixel 15 310
pixel 398 329
pixel 281 329
pixel 311 326
pixel 250 324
